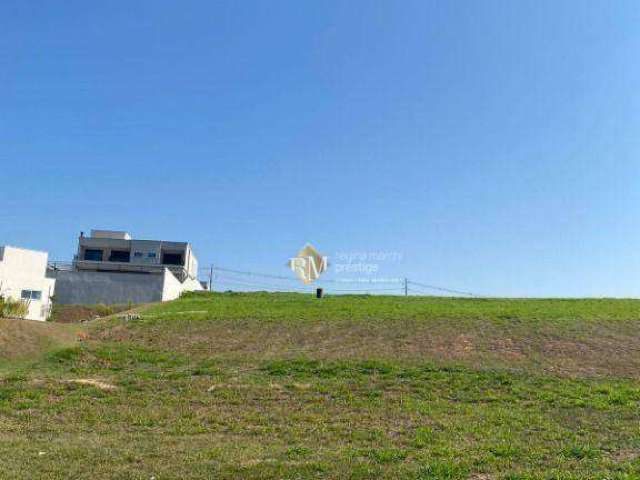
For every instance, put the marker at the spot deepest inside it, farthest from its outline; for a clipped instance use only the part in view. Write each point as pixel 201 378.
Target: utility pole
pixel 406 287
pixel 211 278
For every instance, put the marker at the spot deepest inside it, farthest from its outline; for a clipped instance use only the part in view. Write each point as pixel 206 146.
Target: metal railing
pixel 60 266
pixel 178 271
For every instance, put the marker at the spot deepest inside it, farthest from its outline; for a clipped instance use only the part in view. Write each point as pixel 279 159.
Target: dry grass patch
pixel 576 339
pixel 28 339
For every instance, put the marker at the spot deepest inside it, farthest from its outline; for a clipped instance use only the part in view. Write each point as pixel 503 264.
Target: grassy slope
pixel 285 386
pixel 22 339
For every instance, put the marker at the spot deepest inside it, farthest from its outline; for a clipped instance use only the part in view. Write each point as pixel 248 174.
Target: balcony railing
pixel 178 270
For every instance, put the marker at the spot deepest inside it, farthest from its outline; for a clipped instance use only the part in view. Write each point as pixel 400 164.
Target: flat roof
pixel 2 247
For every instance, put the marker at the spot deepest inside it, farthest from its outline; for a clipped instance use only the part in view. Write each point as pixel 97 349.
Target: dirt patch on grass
pixel 626 455
pixel 93 383
pixel 84 313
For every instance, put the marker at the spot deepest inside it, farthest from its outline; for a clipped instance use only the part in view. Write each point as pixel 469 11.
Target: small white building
pixel 23 276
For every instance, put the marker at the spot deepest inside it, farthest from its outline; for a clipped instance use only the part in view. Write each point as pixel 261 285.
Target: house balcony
pixel 178 271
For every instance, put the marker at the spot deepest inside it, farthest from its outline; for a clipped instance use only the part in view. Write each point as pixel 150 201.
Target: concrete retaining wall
pixel 85 287
pixel 110 288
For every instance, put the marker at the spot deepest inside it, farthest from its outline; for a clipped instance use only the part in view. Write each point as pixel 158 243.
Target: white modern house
pixel 111 267
pixel 23 276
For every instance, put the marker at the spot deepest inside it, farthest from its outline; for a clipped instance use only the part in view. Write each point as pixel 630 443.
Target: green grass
pixel 287 386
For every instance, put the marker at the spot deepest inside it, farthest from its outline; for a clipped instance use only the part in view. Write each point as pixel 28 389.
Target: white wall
pixel 192 265
pixel 89 287
pixel 22 269
pixel 171 288
pixel 192 285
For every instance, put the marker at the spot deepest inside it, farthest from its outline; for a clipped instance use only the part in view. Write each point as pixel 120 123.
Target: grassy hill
pixel 287 386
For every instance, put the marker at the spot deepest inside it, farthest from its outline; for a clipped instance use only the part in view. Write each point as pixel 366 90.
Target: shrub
pixel 104 310
pixel 13 308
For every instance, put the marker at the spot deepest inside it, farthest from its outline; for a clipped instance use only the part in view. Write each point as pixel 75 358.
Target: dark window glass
pixel 31 295
pixel 119 256
pixel 93 255
pixel 172 259
pixel 137 254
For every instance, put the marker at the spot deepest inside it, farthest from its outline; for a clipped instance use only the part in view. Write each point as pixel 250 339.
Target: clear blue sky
pixel 494 144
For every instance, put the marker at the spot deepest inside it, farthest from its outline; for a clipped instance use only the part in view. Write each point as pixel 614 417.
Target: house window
pixel 119 256
pixel 172 259
pixel 31 295
pixel 137 254
pixel 152 255
pixel 93 255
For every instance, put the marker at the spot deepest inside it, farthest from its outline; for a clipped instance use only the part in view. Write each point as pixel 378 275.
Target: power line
pixel 258 285
pixel 364 290
pixel 281 277
pixel 235 281
pixel 441 289
pixel 320 282
pixel 403 287
pixel 253 274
